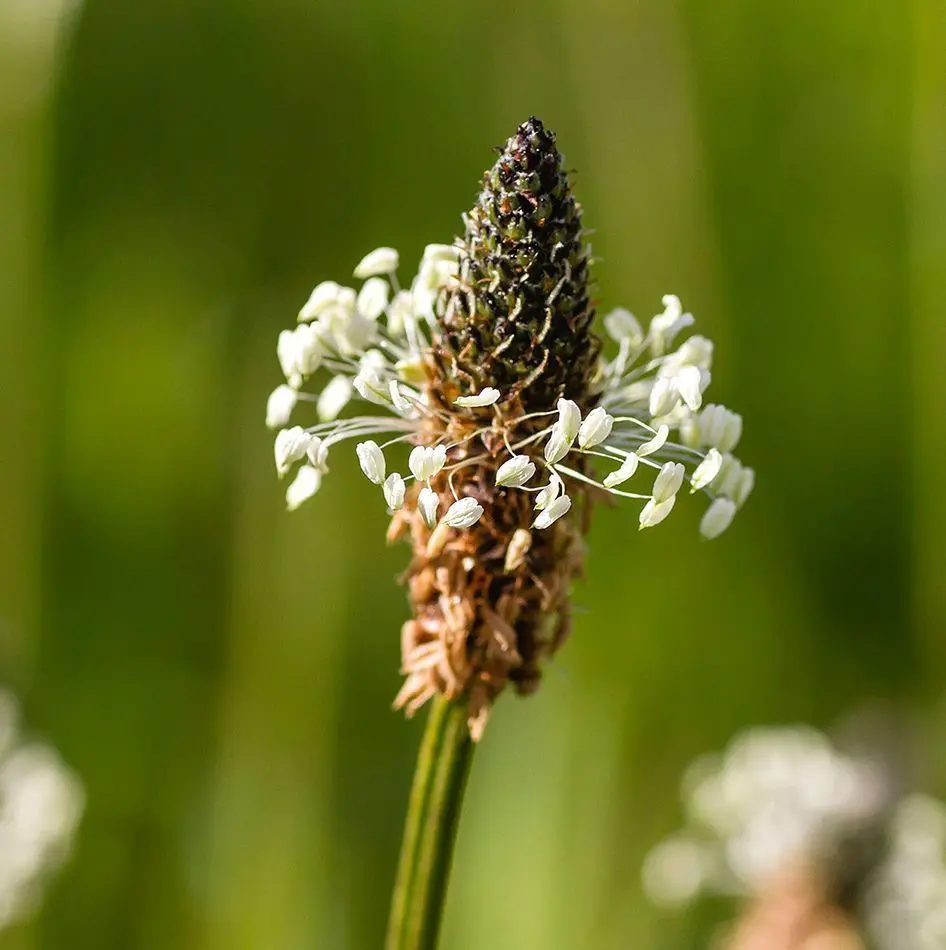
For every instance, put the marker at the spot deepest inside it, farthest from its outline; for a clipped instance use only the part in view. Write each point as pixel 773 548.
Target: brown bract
pixel 490 601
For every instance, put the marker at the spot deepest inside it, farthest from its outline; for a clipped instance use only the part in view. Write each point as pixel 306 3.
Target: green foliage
pixel 177 176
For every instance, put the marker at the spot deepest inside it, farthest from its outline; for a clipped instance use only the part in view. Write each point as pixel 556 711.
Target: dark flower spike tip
pixel 519 316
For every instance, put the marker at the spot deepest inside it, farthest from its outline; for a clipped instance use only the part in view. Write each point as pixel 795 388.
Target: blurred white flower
pixel 780 798
pixel 41 803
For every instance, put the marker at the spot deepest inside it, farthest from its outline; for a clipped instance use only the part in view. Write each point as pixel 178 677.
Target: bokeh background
pixel 175 176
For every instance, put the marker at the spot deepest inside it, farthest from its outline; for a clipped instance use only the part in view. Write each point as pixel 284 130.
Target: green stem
pixel 433 813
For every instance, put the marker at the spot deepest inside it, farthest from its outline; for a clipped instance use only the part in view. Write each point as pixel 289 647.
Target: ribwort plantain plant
pixel 513 424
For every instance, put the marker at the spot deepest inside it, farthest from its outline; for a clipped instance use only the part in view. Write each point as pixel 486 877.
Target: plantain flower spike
pixel 502 423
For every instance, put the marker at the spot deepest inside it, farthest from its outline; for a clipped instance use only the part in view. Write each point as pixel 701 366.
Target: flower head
pixel 484 387
pixel 787 819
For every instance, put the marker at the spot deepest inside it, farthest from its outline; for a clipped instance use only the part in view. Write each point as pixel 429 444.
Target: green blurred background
pixel 175 176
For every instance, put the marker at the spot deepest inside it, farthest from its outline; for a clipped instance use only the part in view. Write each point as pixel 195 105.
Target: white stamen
pixel 428 501
pixel 548 494
pixel 627 469
pixel 706 471
pixel 426 461
pixel 516 550
pixel 485 397
pixel 393 489
pixel 279 406
pixel 655 511
pixel 655 444
pixel 317 453
pixel 463 513
pixel 373 298
pixel 595 428
pixel 553 512
pixel 324 296
pixel 515 472
pixel 668 481
pixel 717 518
pixel 303 487
pixel 382 260
pixel 371 460
pixel 400 403
pixel 290 446
pixel 622 325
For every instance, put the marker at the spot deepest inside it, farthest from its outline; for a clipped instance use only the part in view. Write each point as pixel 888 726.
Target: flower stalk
pixel 430 828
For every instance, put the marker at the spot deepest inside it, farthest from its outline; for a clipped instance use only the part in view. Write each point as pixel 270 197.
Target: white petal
pixel 627 469
pixel 515 472
pixel 707 470
pixel 717 517
pixel 334 398
pixel 553 512
pixel 304 486
pixel 382 260
pixel 485 397
pixel 655 444
pixel 595 428
pixel 427 503
pixel 622 325
pixel 373 298
pixel 324 296
pixel 279 406
pixel 290 446
pixel 371 460
pixel 463 513
pixel 668 482
pixel 393 489
pixel 569 418
pixel 654 512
